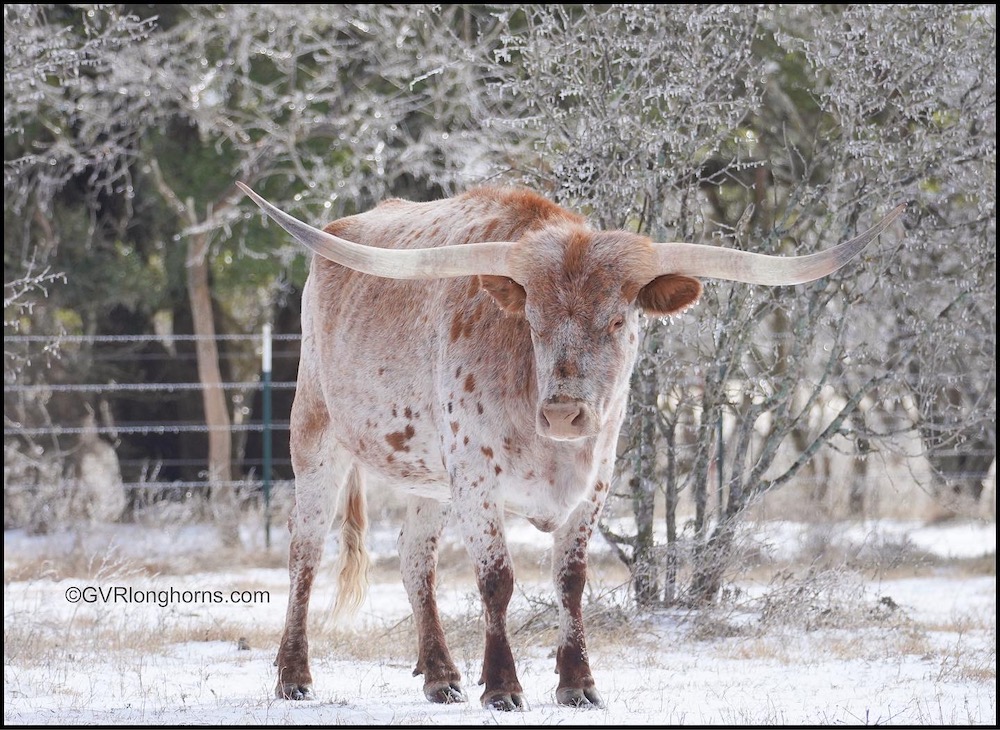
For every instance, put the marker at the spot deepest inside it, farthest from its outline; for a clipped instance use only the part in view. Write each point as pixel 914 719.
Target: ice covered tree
pixel 782 130
pixel 147 123
pixel 54 57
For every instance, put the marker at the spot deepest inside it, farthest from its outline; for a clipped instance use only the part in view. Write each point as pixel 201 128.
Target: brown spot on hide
pixel 487 451
pixel 397 440
pixel 479 408
pixel 454 426
pixel 408 412
pixel 470 383
pixel 497 469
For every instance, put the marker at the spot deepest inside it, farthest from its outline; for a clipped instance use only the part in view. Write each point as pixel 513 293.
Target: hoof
pixel 444 693
pixel 504 701
pixel 294 691
pixel 587 698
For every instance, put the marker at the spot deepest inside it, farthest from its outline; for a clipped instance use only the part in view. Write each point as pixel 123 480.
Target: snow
pixel 929 659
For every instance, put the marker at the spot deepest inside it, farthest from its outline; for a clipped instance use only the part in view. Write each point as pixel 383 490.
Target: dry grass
pixel 818 602
pixel 113 633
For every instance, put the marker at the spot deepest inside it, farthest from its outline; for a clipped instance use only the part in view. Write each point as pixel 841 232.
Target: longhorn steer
pixel 484 366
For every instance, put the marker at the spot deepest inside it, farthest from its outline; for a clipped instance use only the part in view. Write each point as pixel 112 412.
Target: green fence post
pixel 266 367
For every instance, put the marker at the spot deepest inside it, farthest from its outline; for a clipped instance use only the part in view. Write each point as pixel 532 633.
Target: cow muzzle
pixel 567 420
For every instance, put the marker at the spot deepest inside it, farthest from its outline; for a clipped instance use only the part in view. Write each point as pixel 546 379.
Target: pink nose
pixel 566 420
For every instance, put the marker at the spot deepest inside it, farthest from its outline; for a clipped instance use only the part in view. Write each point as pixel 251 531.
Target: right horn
pixel 714 262
pixel 468 259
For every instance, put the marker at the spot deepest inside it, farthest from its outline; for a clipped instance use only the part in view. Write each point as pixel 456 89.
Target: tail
pixel 354 560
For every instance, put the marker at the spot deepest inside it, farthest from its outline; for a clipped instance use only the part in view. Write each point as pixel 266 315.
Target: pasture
pixel 904 634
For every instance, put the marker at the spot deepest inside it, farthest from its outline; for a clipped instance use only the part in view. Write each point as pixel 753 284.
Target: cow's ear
pixel 669 294
pixel 507 292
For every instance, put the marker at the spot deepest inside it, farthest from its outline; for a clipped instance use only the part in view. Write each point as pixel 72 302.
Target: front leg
pixel 569 571
pixel 480 520
pixel 418 554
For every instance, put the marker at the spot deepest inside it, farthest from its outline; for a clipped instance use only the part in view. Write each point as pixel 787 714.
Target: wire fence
pixel 143 471
pixel 143 464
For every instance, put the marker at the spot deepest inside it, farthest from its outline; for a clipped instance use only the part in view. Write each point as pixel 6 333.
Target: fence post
pixel 266 377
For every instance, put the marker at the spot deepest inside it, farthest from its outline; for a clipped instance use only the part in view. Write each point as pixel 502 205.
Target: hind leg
pixel 321 467
pixel 418 552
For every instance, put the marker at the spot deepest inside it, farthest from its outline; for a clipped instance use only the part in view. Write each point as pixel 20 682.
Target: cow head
pixel 581 292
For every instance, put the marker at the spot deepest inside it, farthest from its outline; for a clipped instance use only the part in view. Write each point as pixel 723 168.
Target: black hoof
pixel 294 691
pixel 444 693
pixel 587 698
pixel 504 701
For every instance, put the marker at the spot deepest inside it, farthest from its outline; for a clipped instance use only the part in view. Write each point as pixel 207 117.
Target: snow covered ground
pixel 899 645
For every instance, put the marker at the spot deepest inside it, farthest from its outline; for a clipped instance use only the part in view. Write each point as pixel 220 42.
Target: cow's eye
pixel 616 324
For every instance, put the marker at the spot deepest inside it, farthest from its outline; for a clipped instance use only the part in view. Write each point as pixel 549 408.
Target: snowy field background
pixel 905 634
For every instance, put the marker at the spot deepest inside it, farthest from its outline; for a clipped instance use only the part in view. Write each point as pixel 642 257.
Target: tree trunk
pixel 224 505
pixel 223 499
pixel 672 559
pixel 710 561
pixel 643 487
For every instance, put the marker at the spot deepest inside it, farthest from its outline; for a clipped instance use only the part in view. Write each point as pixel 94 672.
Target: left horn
pixel 713 262
pixel 394 263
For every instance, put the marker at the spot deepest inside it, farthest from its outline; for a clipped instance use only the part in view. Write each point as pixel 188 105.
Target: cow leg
pixel 569 571
pixel 481 522
pixel 418 554
pixel 319 473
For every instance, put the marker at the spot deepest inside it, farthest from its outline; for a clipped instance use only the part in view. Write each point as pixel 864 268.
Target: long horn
pixel 394 263
pixel 713 262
